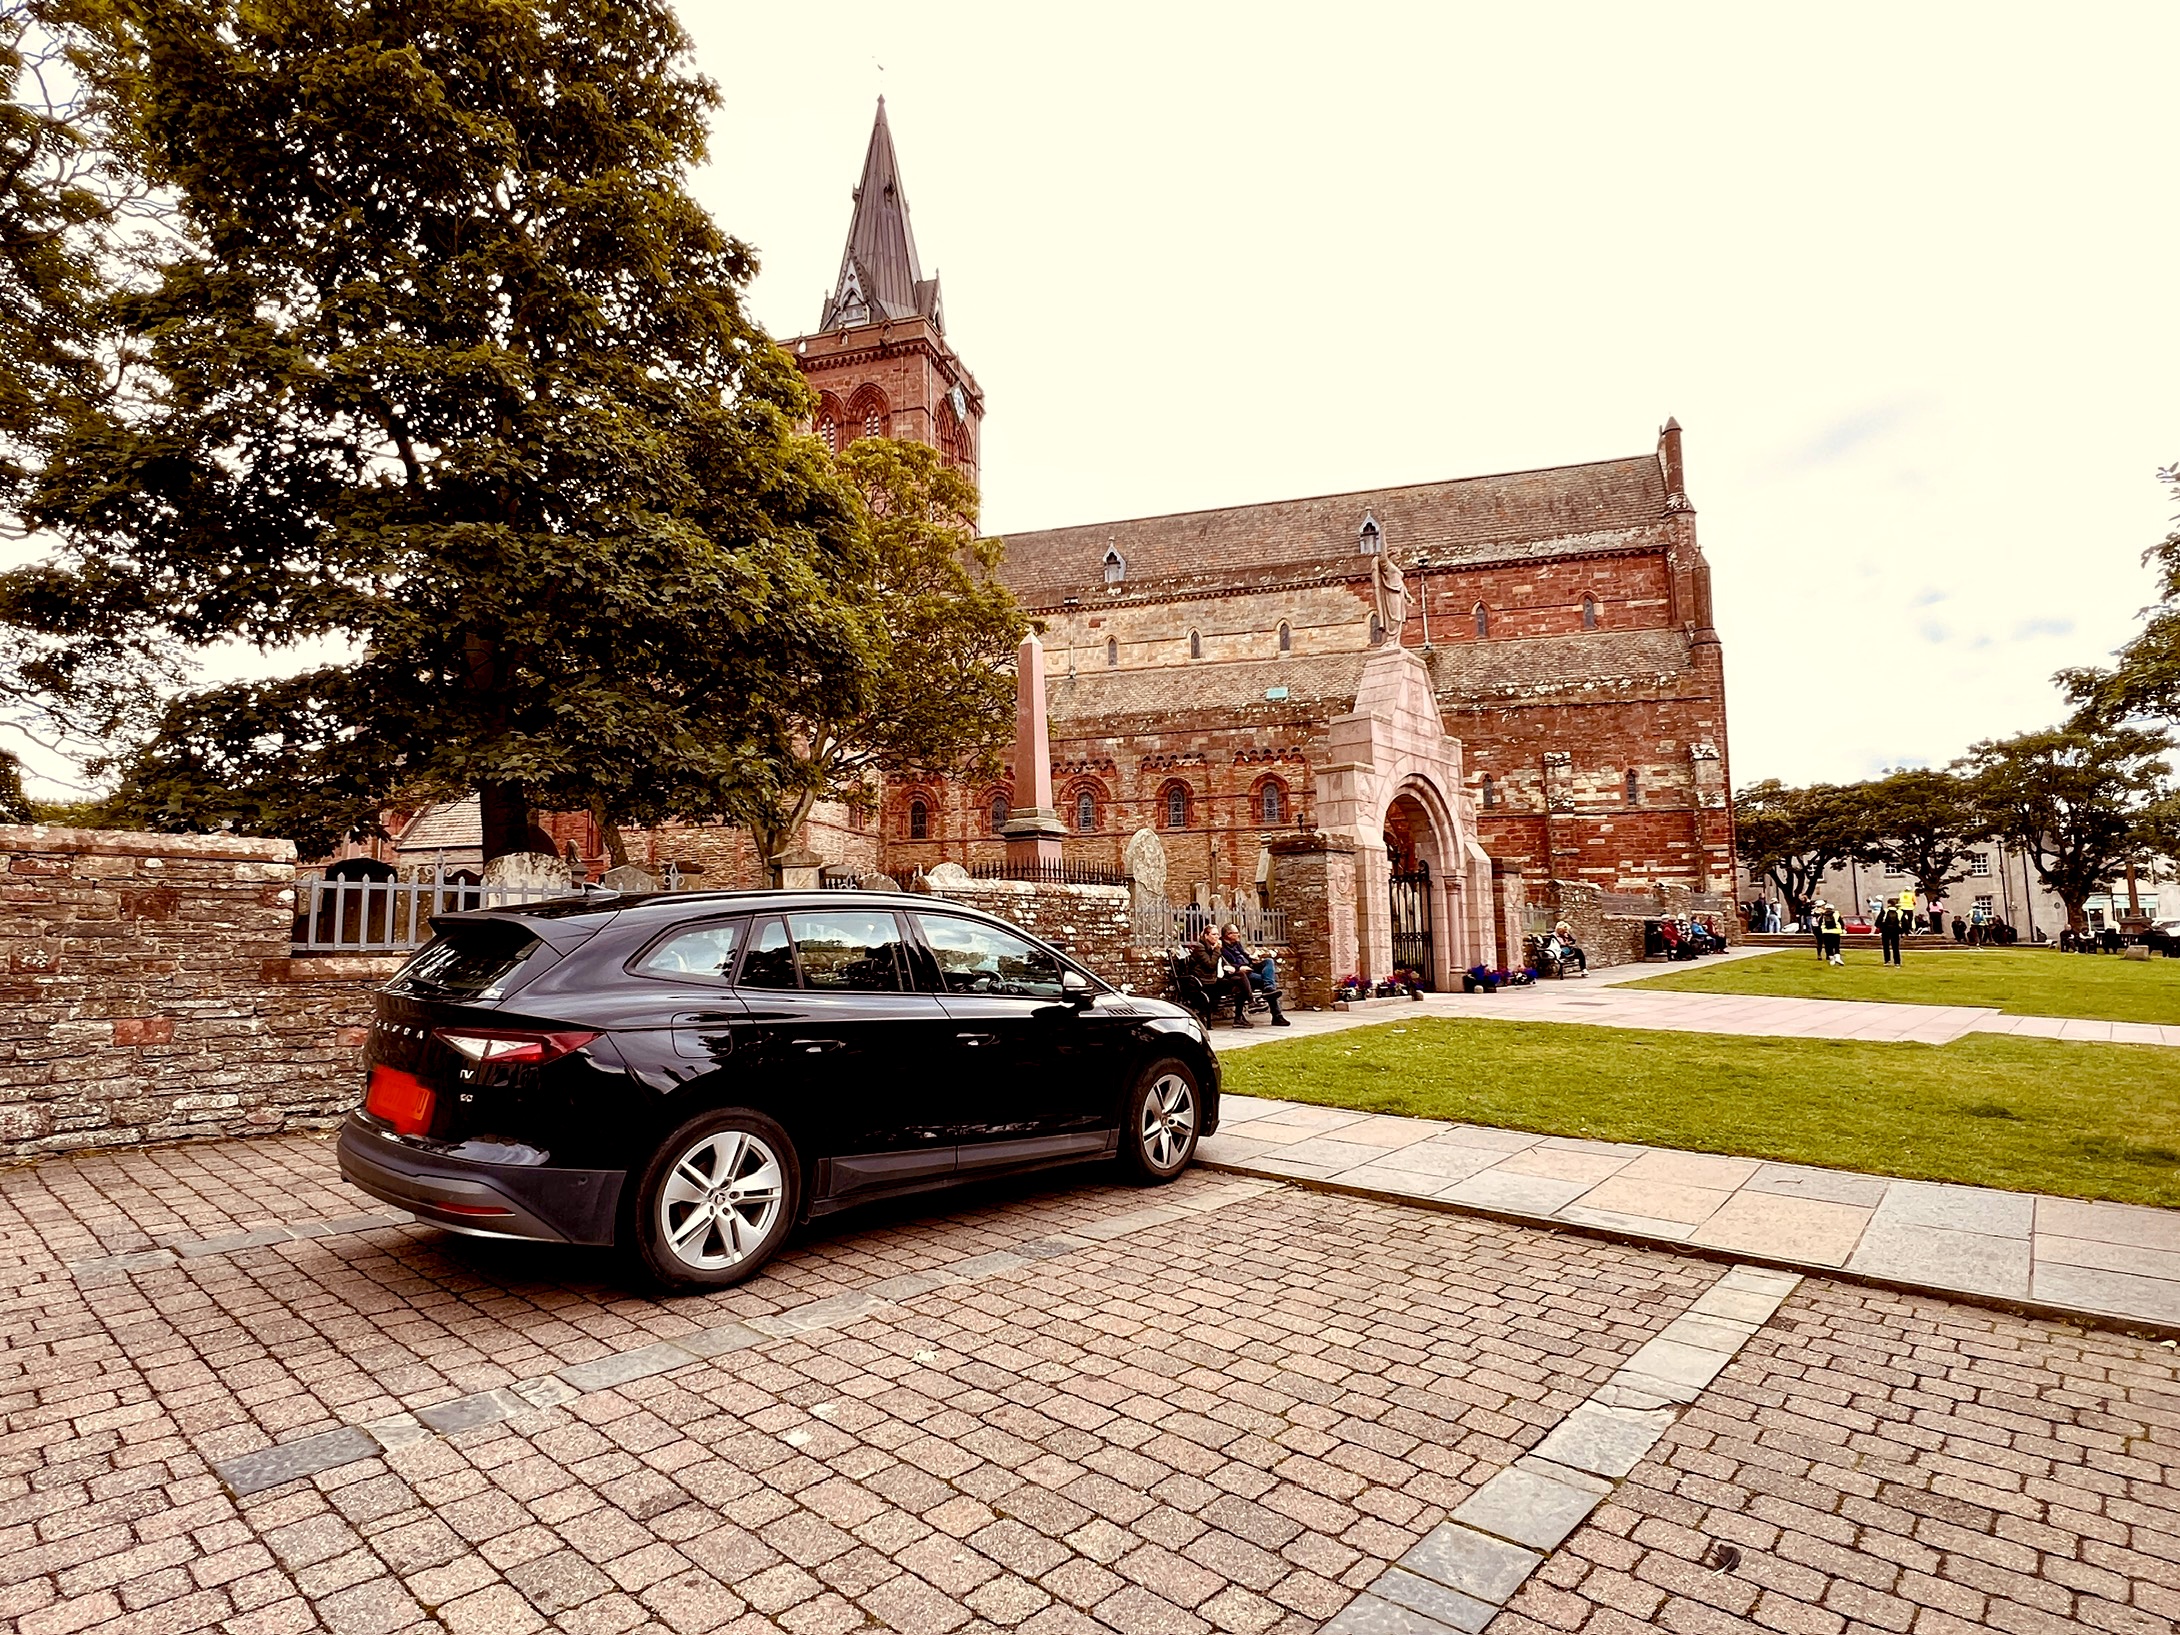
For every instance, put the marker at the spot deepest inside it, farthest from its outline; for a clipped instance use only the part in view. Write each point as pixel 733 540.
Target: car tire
pixel 715 1202
pixel 1164 1118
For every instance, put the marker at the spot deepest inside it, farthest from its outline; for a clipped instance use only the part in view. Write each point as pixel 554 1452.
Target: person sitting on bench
pixel 1208 967
pixel 1261 974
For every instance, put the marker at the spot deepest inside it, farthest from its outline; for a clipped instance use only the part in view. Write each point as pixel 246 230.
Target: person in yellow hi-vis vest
pixel 1829 930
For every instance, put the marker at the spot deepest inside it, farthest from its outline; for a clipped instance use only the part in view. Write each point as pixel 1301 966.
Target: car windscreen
pixel 470 959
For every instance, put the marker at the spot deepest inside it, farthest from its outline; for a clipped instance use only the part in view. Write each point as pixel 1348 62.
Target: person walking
pixel 1830 929
pixel 1890 921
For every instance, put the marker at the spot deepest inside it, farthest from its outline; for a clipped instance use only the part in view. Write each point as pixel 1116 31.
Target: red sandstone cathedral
pixel 1466 689
pixel 1562 619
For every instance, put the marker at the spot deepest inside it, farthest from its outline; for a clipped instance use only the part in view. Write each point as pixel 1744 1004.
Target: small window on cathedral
pixel 1112 653
pixel 1483 620
pixel 1634 788
pixel 1589 613
pixel 1272 805
pixel 919 820
pixel 1116 567
pixel 1176 806
pixel 873 420
pixel 1286 638
pixel 1377 630
pixel 1491 790
pixel 1370 537
pixel 829 432
pixel 1195 645
pixel 999 814
pixel 1086 813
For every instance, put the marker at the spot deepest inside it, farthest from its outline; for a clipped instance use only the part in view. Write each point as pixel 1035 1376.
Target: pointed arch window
pixel 1086 812
pixel 1286 637
pixel 1589 613
pixel 1491 791
pixel 1195 644
pixel 1370 538
pixel 828 430
pixel 874 419
pixel 919 820
pixel 1112 652
pixel 1116 567
pixel 1634 788
pixel 1272 803
pixel 999 812
pixel 1483 620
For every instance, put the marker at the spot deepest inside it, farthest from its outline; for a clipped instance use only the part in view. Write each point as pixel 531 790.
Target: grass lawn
pixel 2019 981
pixel 2086 1120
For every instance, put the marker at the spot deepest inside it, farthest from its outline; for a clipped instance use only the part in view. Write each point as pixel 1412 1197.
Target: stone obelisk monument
pixel 1034 830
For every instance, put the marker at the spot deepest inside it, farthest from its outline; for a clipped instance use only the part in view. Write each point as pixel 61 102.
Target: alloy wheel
pixel 1169 1120
pixel 720 1201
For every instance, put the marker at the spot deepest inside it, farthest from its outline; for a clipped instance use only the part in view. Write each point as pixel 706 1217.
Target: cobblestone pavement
pixel 1227 1404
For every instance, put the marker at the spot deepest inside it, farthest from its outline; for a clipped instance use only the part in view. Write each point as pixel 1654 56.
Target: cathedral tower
pixel 878 358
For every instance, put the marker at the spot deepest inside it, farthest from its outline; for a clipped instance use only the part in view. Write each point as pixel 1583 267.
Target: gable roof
pixel 880 276
pixel 1471 519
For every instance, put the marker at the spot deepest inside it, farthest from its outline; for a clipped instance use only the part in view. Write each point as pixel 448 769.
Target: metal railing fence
pixel 1161 924
pixel 392 916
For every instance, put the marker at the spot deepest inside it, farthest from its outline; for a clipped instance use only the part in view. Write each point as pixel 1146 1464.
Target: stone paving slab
pixel 2110 1262
pixel 1156 1412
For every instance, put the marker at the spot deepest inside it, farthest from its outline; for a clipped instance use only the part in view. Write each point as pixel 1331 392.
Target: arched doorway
pixel 1415 885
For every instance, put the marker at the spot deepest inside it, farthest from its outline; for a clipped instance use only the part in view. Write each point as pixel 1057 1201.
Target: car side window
pixel 770 961
pixel 850 951
pixel 703 951
pixel 977 958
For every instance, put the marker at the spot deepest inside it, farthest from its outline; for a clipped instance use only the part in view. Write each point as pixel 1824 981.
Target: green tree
pixel 72 674
pixel 454 375
pixel 2080 800
pixel 1797 836
pixel 2145 682
pixel 1923 823
pixel 938 691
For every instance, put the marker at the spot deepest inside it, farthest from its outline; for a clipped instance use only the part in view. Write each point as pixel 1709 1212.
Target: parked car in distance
pixel 686 1076
pixel 2163 938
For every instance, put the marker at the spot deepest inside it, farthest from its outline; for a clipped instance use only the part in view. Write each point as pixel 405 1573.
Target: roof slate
pixel 1324 685
pixel 880 276
pixel 1562 510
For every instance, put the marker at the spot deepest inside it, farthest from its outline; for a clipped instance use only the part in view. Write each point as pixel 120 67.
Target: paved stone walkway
pixel 1604 1000
pixel 2091 1259
pixel 1070 1408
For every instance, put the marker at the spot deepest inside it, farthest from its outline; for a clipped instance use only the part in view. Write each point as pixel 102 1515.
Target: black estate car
pixel 688 1075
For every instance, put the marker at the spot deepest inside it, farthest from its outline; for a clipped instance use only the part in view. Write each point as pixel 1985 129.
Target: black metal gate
pixel 1412 921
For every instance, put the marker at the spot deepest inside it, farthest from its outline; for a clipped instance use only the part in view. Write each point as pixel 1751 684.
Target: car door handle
pixel 819 1047
pixel 974 1039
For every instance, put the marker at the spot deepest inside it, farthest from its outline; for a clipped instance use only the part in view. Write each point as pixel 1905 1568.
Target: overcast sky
pixel 1904 274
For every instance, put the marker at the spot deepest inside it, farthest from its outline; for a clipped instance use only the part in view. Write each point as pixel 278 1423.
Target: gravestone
pixel 538 870
pixel 881 882
pixel 946 876
pixel 626 877
pixel 1147 866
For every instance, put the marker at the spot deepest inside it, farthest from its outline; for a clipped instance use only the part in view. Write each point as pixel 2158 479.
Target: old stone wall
pixel 1092 923
pixel 1610 928
pixel 148 993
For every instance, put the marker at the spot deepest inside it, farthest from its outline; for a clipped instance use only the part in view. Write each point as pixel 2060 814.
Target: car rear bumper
pixel 487 1200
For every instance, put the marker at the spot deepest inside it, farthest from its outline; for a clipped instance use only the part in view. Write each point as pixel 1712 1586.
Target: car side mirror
pixel 1076 987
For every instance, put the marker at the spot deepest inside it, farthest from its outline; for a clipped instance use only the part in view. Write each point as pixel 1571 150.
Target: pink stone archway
pixel 1392 749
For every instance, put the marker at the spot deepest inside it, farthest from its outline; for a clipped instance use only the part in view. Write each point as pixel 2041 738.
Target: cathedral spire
pixel 880 277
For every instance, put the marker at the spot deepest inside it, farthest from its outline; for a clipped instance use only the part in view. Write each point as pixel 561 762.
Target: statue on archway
pixel 1389 592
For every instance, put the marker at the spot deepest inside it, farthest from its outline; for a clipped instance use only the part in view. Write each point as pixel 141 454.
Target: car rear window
pixel 472 959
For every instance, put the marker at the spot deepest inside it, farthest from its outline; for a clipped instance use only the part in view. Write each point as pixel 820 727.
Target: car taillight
pixel 512 1047
pixel 403 1100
